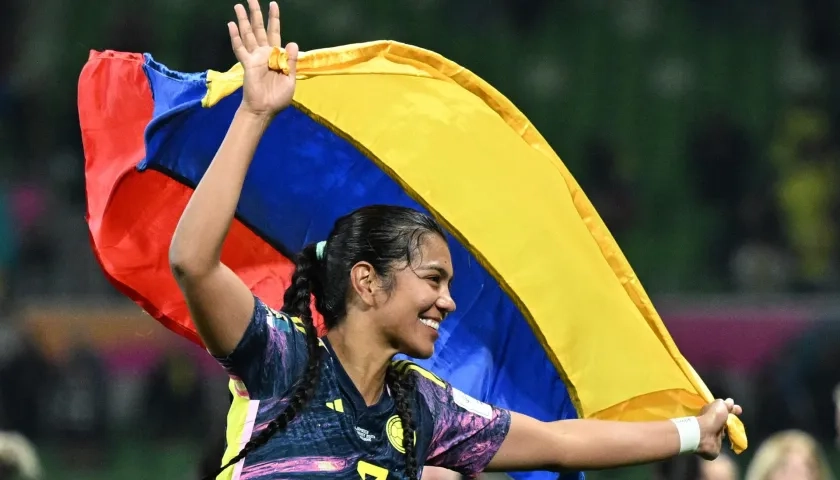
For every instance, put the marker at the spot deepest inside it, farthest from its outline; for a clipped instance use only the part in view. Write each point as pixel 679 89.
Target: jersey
pixel 337 435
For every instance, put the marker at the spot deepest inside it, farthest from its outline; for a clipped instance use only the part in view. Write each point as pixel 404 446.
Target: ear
pixel 363 282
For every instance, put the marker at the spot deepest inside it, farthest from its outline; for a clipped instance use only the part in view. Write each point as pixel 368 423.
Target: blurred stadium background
pixel 705 132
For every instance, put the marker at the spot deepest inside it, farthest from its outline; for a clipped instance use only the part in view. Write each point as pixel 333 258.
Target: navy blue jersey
pixel 337 435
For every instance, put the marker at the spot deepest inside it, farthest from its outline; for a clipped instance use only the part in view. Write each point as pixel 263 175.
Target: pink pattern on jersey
pixel 462 440
pixel 277 347
pixel 297 465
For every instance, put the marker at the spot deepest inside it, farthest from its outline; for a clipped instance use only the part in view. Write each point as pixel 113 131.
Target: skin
pixel 389 321
pixel 722 468
pixel 799 464
pixel 385 322
pixel 434 473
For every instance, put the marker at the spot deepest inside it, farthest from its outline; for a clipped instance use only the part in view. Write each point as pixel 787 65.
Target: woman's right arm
pixel 588 444
pixel 221 305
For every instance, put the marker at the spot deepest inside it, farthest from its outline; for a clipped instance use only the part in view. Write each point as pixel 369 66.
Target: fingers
pixel 733 407
pixel 292 57
pixel 236 41
pixel 257 24
pixel 246 33
pixel 273 24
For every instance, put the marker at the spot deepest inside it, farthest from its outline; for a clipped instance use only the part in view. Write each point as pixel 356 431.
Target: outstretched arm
pixel 221 305
pixel 595 444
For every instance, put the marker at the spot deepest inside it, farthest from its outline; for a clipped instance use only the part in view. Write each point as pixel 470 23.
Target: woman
pixel 789 454
pixel 339 406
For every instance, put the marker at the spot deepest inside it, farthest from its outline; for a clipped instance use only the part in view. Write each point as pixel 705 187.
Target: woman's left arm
pixel 596 444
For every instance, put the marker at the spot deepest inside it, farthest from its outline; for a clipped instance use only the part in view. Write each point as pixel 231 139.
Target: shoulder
pixel 271 353
pixel 418 374
pixel 465 432
pixel 429 390
pixel 438 395
pixel 277 319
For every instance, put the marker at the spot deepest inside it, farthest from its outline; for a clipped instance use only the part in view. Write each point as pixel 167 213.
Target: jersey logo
pixel 394 431
pixel 336 405
pixel 365 435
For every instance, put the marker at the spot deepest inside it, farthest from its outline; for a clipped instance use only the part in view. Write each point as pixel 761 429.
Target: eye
pixel 434 279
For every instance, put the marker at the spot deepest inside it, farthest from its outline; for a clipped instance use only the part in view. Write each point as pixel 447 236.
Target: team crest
pixel 394 431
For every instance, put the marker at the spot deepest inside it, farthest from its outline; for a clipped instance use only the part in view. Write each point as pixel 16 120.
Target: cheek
pixel 397 310
pixel 412 297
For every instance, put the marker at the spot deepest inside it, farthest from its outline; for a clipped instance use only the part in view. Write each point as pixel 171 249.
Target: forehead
pixel 434 254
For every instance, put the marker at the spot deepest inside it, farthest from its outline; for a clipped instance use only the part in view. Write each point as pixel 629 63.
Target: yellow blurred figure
pixel 808 170
pixel 789 455
pixel 722 468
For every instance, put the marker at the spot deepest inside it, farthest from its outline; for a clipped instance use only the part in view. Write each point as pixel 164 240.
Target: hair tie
pixel 319 249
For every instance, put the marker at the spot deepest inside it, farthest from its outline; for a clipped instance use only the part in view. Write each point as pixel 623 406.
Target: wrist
pixel 255 118
pixel 690 433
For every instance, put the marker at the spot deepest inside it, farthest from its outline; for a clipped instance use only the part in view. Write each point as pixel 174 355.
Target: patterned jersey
pixel 337 435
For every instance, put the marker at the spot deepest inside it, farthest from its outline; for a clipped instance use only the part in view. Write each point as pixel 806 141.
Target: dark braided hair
pixel 387 237
pixel 401 387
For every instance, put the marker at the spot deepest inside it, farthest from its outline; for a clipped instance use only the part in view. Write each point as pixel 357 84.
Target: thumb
pixel 292 51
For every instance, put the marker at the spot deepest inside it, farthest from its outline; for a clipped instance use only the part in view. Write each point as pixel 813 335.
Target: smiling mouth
pixel 430 323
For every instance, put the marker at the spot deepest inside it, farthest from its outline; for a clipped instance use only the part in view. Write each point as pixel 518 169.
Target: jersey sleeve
pixel 269 356
pixel 466 432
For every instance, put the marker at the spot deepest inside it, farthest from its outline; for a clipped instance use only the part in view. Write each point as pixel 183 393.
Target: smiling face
pixel 411 304
pixel 387 269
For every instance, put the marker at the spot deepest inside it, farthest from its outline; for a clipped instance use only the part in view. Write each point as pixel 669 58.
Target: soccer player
pixel 339 406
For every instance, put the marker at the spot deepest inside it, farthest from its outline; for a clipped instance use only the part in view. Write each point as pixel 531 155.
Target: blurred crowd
pixel 705 133
pixel 71 405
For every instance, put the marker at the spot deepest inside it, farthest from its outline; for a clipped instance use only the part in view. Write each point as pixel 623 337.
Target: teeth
pixel 430 323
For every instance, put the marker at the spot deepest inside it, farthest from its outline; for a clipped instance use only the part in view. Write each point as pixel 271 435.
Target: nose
pixel 446 303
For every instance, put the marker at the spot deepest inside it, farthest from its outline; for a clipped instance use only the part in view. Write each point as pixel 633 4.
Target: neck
pixel 365 359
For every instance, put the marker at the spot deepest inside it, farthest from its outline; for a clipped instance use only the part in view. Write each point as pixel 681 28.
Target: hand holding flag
pixel 265 91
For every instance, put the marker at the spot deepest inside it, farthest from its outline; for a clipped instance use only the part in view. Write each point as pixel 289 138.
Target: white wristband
pixel 689 430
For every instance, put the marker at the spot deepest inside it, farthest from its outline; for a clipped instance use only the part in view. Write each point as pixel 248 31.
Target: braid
pixel 296 301
pixel 402 387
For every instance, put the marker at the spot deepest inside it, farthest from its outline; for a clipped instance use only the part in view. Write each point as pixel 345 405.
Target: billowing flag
pixel 552 322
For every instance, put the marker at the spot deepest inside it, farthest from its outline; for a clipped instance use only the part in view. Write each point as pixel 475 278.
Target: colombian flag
pixel 552 322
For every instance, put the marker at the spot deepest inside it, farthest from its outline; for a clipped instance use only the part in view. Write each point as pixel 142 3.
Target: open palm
pixel 265 91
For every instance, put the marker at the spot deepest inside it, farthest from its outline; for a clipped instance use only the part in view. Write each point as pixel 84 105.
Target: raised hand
pixel 712 421
pixel 265 91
